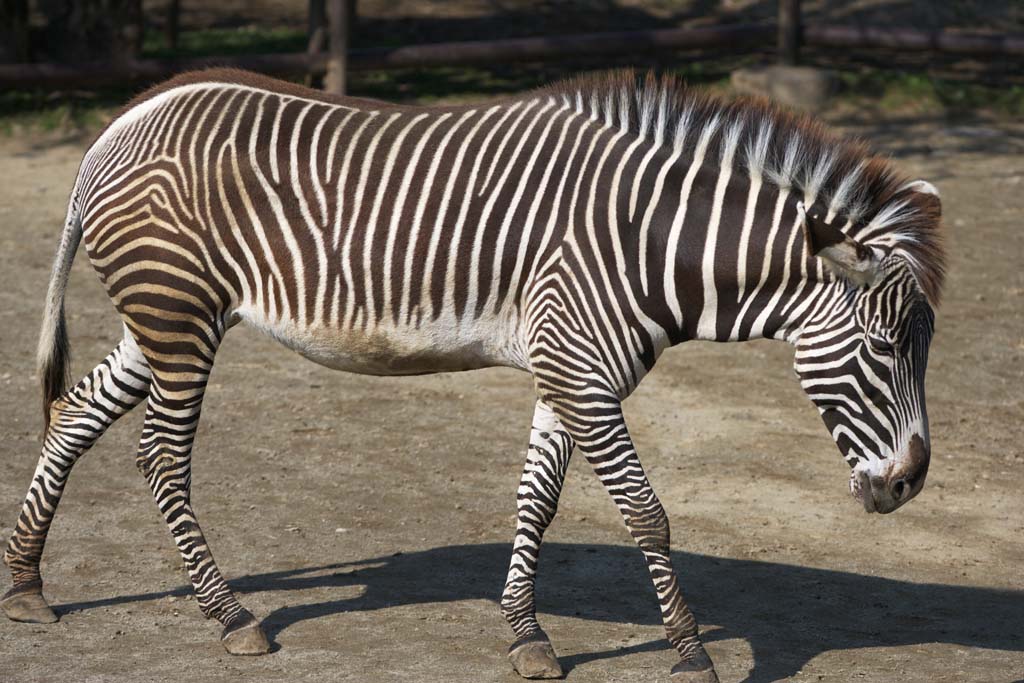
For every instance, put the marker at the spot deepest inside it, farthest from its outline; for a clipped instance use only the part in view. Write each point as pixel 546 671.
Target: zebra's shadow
pixel 788 614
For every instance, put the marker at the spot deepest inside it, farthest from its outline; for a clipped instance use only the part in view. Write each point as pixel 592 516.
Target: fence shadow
pixel 788 614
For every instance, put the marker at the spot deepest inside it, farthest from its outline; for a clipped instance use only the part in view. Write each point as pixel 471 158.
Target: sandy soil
pixel 368 521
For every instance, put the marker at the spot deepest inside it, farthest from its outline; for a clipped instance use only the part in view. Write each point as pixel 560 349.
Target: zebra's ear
pixel 841 254
pixel 931 193
pixel 922 186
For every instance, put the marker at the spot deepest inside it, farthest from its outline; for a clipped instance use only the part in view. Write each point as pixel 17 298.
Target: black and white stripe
pixel 574 232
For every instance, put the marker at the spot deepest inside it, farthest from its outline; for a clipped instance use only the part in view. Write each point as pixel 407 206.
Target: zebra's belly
pixel 394 350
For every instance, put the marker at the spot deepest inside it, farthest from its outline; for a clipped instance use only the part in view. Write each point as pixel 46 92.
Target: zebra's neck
pixel 720 249
pixel 708 201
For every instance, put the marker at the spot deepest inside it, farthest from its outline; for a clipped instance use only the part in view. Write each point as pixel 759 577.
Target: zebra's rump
pixel 373 240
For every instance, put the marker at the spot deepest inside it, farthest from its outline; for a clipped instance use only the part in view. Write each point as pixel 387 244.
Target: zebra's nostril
pixel 899 488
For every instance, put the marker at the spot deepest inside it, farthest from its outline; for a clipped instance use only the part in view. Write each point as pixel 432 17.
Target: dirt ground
pixel 368 521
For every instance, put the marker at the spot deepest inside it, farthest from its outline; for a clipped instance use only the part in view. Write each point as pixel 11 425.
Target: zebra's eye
pixel 879 345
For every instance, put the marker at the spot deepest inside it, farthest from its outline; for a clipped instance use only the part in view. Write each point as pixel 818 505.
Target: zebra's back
pixel 369 237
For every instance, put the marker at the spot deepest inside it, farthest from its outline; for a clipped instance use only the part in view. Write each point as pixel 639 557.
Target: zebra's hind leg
pixel 77 420
pixel 165 460
pixel 599 429
pixel 537 501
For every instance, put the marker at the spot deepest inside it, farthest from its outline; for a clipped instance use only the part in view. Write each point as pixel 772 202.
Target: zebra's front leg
pixel 77 420
pixel 600 431
pixel 165 459
pixel 536 502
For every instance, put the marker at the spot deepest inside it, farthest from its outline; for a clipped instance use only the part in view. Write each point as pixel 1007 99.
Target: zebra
pixel 574 232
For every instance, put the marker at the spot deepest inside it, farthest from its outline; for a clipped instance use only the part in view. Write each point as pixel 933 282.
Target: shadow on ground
pixel 788 614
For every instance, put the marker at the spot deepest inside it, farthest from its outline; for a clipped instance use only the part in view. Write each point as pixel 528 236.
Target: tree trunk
pixel 317 38
pixel 171 28
pixel 789 32
pixel 13 31
pixel 337 45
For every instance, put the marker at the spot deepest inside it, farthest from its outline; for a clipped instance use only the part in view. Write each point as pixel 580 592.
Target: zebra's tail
pixel 53 355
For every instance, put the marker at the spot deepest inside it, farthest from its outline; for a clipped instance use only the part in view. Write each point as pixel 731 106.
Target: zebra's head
pixel 861 358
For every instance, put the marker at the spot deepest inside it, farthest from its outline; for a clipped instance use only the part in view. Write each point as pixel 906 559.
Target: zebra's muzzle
pixel 906 477
pixel 861 489
pixel 900 481
pixel 881 494
pixel 875 492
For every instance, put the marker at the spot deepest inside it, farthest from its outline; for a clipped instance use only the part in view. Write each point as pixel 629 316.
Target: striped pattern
pixel 574 232
pixel 864 390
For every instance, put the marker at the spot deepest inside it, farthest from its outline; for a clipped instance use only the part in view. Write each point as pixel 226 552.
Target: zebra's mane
pixel 869 199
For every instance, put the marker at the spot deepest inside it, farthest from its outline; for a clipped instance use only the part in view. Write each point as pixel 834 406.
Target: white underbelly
pixel 392 350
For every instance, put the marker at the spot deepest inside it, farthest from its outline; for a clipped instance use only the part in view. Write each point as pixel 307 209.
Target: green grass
pixel 455 84
pixel 922 94
pixel 243 40
pixel 40 112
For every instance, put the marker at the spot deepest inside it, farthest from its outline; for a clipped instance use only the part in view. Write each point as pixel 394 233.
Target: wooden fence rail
pixel 735 37
pixel 911 40
pixel 409 56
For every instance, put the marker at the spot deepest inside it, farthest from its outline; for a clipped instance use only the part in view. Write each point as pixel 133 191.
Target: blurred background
pixel 319 490
pixel 65 64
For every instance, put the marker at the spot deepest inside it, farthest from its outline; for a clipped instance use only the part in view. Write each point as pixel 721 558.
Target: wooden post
pixel 337 46
pixel 317 39
pixel 789 32
pixel 172 25
pixel 14 31
pixel 317 17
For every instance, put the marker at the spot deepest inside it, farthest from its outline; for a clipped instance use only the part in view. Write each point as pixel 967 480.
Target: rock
pixel 800 87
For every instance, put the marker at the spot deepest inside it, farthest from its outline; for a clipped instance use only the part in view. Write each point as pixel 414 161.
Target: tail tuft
pixel 55 367
pixel 53 356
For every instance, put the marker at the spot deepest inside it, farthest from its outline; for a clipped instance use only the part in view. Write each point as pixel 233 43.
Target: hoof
pixel 533 657
pixel 245 637
pixel 26 603
pixel 697 669
pixel 684 676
